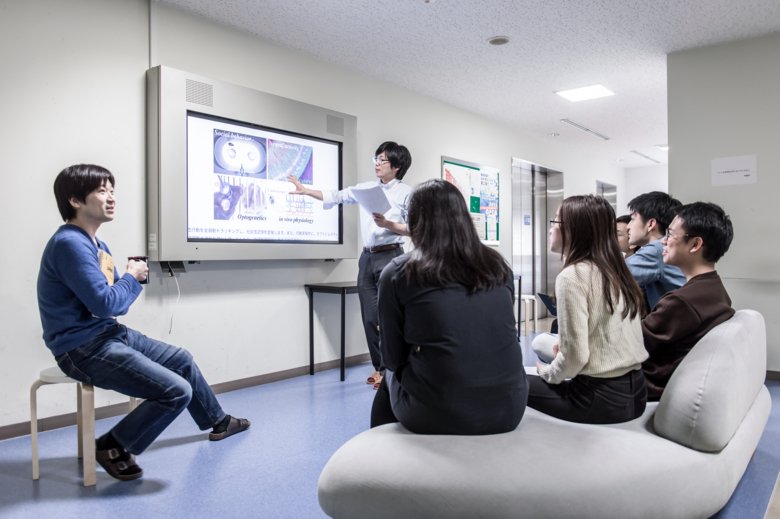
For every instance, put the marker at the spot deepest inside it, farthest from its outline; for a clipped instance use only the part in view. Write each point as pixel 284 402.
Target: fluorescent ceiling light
pixel 651 159
pixel 583 94
pixel 585 129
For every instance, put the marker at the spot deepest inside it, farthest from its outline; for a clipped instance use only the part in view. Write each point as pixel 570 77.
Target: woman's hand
pixel 556 348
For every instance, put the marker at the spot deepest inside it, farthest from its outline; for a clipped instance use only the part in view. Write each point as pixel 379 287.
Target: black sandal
pixel 119 464
pixel 236 425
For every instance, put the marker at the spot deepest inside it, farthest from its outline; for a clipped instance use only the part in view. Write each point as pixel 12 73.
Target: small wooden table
pixel 343 288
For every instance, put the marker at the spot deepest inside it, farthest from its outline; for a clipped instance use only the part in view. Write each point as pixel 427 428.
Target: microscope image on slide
pixel 227 193
pixel 254 199
pixel 239 154
pixel 287 158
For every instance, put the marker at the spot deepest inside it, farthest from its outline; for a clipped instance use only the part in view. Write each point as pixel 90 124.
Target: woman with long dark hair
pixel 447 326
pixel 595 374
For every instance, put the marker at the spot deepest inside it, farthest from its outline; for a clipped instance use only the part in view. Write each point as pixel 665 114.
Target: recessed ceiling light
pixel 583 94
pixel 664 147
pixel 498 40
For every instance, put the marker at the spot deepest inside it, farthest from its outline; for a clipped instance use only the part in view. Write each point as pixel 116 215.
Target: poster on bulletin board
pixel 479 185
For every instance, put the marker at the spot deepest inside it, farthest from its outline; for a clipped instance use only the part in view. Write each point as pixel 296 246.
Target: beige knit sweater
pixel 593 341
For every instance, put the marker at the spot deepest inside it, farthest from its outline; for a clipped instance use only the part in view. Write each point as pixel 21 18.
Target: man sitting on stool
pixel 79 295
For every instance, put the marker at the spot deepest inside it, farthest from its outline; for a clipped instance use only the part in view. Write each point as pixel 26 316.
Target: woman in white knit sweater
pixel 595 375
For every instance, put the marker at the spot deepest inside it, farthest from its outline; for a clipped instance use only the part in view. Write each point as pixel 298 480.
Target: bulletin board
pixel 479 186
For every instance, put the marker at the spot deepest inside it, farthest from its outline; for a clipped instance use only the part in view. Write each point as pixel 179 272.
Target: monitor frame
pixel 171 94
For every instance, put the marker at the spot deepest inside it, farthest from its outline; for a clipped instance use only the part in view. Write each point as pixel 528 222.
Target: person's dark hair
pixel 709 222
pixel 588 234
pixel 77 182
pixel 623 219
pixel 447 248
pixel 656 205
pixel 398 155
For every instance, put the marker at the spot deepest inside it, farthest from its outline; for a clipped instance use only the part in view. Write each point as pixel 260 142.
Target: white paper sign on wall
pixel 729 171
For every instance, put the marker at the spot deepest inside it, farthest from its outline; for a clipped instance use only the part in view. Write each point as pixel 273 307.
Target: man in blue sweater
pixel 80 293
pixel 651 214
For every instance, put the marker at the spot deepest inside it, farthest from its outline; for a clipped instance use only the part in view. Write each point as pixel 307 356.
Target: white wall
pixel 723 102
pixel 643 180
pixel 74 92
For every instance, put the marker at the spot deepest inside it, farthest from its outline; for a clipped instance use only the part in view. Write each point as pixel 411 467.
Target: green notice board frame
pixel 480 187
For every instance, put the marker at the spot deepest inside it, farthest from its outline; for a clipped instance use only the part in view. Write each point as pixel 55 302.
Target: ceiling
pixel 439 48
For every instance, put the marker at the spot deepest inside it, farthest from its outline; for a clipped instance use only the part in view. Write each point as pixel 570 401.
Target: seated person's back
pixel 447 327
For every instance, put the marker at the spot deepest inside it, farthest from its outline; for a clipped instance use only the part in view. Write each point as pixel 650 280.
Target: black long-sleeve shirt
pixel 457 364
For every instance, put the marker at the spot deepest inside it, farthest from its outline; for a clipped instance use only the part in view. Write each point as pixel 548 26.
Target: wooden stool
pixel 85 420
pixel 530 303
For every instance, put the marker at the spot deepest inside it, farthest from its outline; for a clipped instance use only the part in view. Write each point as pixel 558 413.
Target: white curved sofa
pixel 682 458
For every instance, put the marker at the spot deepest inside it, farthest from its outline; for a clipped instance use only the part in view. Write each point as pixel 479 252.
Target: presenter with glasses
pixel 382 234
pixel 80 293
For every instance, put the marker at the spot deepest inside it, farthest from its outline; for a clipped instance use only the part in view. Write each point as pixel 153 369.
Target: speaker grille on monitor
pixel 200 93
pixel 334 125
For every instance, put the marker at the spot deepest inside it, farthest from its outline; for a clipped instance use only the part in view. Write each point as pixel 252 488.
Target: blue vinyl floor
pixel 270 471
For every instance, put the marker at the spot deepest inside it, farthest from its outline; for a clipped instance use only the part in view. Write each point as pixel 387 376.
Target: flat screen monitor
pixel 238 188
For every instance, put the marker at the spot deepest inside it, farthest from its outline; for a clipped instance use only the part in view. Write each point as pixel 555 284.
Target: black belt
pixel 382 248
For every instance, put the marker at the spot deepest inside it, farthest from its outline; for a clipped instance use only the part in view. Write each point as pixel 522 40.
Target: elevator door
pixel 537 192
pixel 609 192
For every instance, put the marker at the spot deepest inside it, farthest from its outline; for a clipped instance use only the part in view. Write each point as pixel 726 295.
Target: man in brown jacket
pixel 698 236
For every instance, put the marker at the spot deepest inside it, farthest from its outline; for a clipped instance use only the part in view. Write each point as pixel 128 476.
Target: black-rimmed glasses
pixel 669 234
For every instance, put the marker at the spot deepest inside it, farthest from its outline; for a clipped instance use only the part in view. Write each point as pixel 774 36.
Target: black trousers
pixel 593 400
pixel 370 267
pixel 477 412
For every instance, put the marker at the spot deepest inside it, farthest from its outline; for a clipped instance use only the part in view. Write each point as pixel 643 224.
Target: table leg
pixel 343 333
pixel 311 332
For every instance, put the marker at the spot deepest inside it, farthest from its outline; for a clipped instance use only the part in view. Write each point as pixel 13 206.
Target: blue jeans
pixel 165 376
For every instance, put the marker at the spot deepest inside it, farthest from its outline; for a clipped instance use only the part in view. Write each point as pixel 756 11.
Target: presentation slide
pixel 237 187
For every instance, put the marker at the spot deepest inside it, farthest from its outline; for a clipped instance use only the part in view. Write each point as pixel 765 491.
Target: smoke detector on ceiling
pixel 498 40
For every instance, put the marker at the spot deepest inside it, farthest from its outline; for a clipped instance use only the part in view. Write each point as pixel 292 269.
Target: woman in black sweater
pixel 447 327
